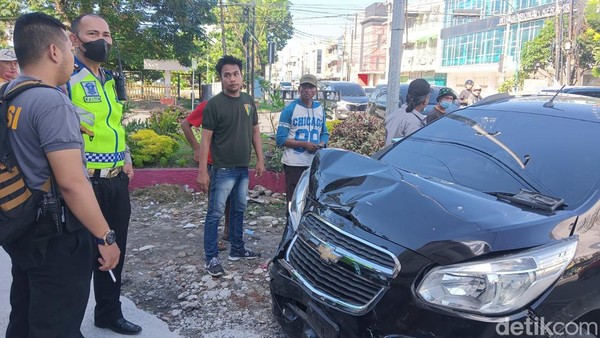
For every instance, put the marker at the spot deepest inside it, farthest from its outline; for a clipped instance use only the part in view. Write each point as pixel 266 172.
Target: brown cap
pixel 308 78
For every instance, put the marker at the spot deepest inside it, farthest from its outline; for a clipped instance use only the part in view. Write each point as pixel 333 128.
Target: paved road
pixel 152 326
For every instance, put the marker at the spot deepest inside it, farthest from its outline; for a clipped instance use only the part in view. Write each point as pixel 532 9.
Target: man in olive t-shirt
pixel 229 126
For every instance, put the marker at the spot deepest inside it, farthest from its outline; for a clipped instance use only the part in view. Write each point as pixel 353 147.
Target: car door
pixel 380 102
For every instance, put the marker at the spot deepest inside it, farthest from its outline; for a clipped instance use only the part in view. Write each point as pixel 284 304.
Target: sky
pixel 325 19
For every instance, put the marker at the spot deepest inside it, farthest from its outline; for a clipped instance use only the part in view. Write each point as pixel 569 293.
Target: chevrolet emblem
pixel 328 254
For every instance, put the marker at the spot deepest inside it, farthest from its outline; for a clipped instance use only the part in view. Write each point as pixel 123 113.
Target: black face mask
pixel 97 50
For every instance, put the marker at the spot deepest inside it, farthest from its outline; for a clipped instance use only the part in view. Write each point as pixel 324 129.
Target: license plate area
pixel 321 323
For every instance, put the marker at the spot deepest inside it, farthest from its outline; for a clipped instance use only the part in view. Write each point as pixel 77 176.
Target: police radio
pixel 120 78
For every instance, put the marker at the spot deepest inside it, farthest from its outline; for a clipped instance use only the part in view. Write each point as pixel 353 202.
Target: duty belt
pixel 104 173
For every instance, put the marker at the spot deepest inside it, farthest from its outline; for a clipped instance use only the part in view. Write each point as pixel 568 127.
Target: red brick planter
pixel 181 176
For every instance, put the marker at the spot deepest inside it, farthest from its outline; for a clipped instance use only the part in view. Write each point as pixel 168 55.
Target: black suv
pixel 352 98
pixel 484 223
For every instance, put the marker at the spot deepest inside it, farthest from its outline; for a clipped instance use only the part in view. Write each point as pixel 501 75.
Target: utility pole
pixel 568 67
pixel 223 29
pixel 393 87
pixel 252 54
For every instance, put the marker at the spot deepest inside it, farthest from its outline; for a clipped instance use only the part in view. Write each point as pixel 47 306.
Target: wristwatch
pixel 109 238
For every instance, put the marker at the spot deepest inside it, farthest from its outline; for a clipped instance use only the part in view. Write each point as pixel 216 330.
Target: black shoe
pixel 122 326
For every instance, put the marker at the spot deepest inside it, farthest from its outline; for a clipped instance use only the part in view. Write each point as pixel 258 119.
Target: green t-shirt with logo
pixel 232 121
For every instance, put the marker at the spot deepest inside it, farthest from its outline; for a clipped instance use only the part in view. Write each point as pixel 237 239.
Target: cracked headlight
pixel 497 286
pixel 298 199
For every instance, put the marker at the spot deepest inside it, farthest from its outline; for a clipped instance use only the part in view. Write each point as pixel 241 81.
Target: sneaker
pixel 247 254
pixel 214 267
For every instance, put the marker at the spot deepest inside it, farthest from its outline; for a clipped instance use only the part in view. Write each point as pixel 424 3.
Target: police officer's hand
pixel 203 180
pixel 109 256
pixel 128 170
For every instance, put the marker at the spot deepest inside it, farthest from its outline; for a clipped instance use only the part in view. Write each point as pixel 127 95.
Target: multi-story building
pixel 482 39
pixel 373 45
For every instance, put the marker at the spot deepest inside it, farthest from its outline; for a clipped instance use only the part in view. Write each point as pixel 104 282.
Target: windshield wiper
pixel 532 199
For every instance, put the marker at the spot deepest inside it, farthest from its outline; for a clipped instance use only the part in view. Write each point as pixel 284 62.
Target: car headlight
pixel 497 286
pixel 298 199
pixel 342 105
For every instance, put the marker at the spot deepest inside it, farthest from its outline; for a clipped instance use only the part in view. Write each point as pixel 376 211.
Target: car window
pixel 592 93
pixel 496 151
pixel 382 97
pixel 349 89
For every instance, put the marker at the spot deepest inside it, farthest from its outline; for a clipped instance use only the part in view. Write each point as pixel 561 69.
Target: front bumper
pixel 396 315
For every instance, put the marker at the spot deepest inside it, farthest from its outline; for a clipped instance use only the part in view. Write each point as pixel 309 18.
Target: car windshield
pixel 287 84
pixel 349 89
pixel 501 151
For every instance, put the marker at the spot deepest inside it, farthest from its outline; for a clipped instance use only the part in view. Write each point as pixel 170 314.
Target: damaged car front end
pixel 468 228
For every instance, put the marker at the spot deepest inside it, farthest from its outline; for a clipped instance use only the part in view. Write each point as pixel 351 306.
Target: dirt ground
pixel 164 268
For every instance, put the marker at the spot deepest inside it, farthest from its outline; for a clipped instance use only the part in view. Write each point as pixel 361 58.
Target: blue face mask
pixel 445 104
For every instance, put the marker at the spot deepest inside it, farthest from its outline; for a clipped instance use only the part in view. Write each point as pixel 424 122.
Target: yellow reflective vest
pixel 100 113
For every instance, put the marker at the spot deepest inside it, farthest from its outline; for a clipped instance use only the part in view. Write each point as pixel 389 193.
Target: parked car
pixel 285 85
pixel 368 89
pixel 353 98
pixel 377 101
pixel 576 90
pixel 476 223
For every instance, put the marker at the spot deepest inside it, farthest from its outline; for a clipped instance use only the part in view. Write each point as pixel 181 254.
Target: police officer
pixel 51 265
pixel 92 90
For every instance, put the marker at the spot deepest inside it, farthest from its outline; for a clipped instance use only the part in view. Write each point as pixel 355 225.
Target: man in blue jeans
pixel 229 128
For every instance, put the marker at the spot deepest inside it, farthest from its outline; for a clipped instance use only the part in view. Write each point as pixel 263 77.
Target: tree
pixel 273 22
pixel 539 55
pixel 142 29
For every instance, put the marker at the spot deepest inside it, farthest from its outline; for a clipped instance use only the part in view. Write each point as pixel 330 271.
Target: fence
pixel 139 87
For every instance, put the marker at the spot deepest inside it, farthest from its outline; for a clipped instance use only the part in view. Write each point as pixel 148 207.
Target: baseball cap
pixel 476 87
pixel 7 54
pixel 308 78
pixel 445 91
pixel 419 87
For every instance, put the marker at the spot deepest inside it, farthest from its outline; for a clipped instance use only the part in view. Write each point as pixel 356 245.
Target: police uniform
pixel 100 114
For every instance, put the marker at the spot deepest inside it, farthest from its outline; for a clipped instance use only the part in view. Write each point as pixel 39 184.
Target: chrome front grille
pixel 339 268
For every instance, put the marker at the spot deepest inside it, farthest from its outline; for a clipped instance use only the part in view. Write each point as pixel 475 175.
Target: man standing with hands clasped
pixel 93 92
pixel 229 128
pixel 302 131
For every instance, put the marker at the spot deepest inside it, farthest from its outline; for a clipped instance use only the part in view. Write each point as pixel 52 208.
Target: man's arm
pixel 186 127
pixel 203 178
pixel 283 129
pixel 79 196
pixel 257 143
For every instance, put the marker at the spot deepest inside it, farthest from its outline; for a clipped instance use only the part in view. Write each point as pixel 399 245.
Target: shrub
pixel 361 133
pixel 167 121
pixel 135 125
pixel 147 147
pixel 331 124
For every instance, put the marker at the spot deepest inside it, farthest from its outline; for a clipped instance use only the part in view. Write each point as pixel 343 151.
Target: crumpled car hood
pixel 440 220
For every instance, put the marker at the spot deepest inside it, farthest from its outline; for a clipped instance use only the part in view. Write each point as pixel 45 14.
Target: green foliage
pixel 331 124
pixel 513 84
pixel 167 121
pixel 136 124
pixel 361 133
pixel 157 29
pixel 538 56
pixel 273 22
pixel 147 147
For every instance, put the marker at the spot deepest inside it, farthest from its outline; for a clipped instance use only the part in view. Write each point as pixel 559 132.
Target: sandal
pixel 221 246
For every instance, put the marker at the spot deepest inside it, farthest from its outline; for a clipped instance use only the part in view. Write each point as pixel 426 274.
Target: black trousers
pixel 51 284
pixel 113 196
pixel 292 176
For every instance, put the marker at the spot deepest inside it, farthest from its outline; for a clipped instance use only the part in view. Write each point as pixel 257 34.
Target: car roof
pixel 563 105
